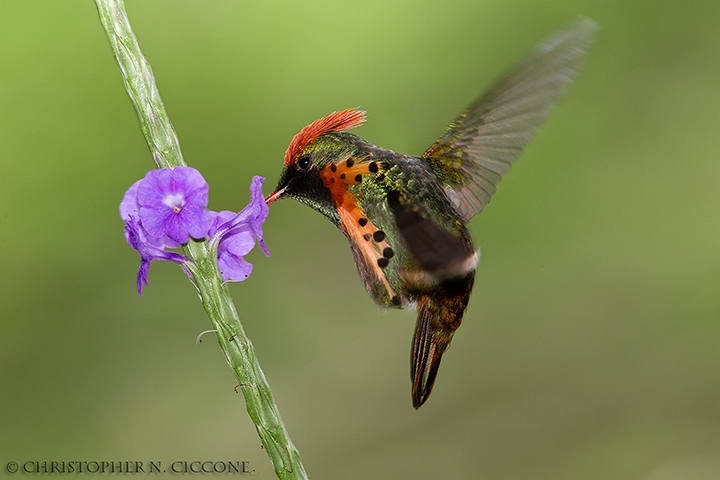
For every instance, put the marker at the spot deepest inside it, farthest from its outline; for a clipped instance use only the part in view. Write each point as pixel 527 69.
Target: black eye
pixel 303 162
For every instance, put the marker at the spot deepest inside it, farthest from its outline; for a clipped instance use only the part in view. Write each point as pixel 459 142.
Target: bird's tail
pixel 439 315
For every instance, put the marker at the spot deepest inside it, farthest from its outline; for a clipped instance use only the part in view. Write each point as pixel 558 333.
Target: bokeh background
pixel 590 347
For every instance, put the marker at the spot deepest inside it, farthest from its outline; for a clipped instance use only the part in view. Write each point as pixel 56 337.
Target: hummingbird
pixel 406 217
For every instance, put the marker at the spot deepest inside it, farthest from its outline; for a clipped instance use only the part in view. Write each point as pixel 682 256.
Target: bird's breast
pixel 369 243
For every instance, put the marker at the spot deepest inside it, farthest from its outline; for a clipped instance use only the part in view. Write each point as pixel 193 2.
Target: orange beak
pixel 274 196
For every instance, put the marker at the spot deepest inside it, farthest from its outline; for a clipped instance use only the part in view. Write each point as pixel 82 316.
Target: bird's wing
pixel 482 143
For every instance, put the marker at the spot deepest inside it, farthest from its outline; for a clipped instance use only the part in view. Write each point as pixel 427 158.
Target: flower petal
pixel 192 184
pixel 197 220
pixel 129 206
pixel 234 268
pixel 240 243
pixel 147 251
pixel 154 187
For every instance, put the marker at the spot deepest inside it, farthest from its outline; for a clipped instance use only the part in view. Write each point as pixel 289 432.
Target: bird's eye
pixel 303 162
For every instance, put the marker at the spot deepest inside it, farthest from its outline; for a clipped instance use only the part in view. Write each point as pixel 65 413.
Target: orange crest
pixel 335 122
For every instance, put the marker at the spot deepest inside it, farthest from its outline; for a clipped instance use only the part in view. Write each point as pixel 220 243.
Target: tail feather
pixel 439 315
pixel 428 347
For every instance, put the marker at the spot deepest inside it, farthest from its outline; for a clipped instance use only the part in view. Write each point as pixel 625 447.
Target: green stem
pixel 165 148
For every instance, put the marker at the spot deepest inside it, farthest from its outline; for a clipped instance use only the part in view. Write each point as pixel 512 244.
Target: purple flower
pixel 173 203
pixel 147 251
pixel 231 249
pixel 236 234
pixel 168 206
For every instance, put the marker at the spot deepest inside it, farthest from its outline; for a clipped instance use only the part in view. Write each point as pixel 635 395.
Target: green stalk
pixel 165 147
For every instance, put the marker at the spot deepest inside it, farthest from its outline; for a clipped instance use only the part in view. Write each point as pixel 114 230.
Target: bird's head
pixel 316 145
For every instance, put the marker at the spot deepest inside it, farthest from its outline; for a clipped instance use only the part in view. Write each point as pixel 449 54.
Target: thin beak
pixel 274 196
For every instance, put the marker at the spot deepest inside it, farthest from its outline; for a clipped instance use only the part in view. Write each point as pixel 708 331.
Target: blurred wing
pixel 481 144
pixel 434 247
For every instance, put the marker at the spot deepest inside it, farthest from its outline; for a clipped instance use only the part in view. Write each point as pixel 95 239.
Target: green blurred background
pixel 590 347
